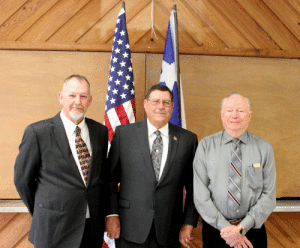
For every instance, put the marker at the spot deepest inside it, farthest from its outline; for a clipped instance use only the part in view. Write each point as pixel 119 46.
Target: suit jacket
pixel 49 183
pixel 141 199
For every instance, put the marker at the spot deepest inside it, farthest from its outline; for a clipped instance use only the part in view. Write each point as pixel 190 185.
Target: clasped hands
pixel 231 234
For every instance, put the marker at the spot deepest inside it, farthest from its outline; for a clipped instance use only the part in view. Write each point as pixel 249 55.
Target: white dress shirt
pixel 165 137
pixel 70 131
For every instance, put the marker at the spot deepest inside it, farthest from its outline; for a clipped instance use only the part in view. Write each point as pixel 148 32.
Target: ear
pixel 145 104
pixel 90 100
pixel 60 97
pixel 250 115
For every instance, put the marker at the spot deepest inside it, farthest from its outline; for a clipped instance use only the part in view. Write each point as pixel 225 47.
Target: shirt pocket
pixel 254 177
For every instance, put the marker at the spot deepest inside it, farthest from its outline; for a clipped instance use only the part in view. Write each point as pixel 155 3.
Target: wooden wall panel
pixel 271 84
pixel 283 230
pixel 30 82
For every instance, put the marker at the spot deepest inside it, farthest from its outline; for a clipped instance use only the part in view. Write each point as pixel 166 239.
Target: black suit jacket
pixel 49 183
pixel 141 199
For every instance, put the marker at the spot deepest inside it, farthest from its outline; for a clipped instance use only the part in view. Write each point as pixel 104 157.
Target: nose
pixel 235 113
pixel 77 100
pixel 161 105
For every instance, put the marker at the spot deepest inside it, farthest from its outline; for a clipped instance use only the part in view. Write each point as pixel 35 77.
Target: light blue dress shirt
pixel 258 183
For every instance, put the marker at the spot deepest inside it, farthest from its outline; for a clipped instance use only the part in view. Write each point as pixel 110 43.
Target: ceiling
pixel 263 28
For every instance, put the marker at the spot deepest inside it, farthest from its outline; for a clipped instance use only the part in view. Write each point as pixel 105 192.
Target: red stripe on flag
pixel 111 132
pixel 133 107
pixel 122 114
pixel 104 245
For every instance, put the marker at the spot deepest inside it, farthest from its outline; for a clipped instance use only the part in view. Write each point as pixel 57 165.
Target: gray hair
pixel 80 78
pixel 236 94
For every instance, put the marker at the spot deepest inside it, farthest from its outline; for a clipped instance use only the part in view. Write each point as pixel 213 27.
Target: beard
pixel 76 116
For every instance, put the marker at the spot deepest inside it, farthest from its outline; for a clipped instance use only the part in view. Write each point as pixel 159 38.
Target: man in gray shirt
pixel 234 181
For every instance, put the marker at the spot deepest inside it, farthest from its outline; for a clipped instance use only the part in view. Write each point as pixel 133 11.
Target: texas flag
pixel 168 75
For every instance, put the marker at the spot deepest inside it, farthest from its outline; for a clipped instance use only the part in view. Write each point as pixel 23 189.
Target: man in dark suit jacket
pixel 150 210
pixel 68 205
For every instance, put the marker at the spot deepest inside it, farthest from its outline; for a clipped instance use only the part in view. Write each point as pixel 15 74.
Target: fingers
pixel 113 227
pixel 247 242
pixel 185 242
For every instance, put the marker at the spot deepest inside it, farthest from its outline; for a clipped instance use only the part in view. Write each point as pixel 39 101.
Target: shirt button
pixel 237 211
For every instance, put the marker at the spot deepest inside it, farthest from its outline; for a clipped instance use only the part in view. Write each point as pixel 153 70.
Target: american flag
pixel 120 97
pixel 168 75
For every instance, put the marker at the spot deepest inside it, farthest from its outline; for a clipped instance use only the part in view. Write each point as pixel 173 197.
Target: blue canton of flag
pixel 120 97
pixel 168 75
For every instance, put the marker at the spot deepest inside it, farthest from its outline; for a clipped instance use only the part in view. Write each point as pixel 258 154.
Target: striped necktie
pixel 234 185
pixel 82 153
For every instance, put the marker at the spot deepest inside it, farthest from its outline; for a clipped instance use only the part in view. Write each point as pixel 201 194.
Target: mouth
pixel 79 108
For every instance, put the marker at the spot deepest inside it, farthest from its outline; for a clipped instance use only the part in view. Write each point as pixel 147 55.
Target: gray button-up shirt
pixel 258 183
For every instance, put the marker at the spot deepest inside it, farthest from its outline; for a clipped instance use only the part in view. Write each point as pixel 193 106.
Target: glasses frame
pixel 156 102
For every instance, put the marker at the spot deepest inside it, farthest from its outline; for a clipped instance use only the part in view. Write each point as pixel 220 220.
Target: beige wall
pixel 30 82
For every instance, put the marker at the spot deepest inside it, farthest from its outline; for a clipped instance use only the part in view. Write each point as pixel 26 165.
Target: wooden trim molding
pixel 17 206
pixel 47 46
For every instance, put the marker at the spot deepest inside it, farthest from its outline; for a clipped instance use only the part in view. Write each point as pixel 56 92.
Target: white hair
pixel 236 94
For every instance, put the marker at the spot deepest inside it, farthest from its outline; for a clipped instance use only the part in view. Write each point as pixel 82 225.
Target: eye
pixel 167 103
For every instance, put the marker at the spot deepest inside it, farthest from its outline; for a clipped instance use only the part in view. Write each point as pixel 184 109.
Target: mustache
pixel 160 111
pixel 78 106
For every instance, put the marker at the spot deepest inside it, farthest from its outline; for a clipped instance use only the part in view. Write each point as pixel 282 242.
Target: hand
pixel 112 226
pixel 231 234
pixel 244 243
pixel 185 235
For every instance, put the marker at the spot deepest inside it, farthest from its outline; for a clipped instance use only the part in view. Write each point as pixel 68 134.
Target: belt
pixel 235 222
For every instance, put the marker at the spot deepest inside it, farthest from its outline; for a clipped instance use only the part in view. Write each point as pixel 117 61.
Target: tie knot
pixel 157 132
pixel 236 141
pixel 77 130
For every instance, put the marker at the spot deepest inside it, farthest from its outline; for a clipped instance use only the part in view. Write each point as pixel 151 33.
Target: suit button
pixel 84 211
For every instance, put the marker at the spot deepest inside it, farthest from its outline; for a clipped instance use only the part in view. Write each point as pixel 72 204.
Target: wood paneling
pixel 272 86
pixel 29 91
pixel 283 230
pixel 217 27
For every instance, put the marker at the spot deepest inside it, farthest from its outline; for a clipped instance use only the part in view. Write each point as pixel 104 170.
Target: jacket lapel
pixel 172 150
pixel 94 146
pixel 142 135
pixel 63 144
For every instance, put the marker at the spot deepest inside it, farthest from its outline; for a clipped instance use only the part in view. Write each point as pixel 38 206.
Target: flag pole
pixel 176 50
pixel 123 5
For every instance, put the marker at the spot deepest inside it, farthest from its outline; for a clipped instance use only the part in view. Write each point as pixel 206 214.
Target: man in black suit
pixel 149 205
pixel 65 188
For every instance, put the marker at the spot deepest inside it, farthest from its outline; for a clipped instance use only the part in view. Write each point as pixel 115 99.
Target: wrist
pixel 241 229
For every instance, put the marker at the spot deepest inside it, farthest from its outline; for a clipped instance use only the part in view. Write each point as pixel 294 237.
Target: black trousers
pixel 151 242
pixel 211 237
pixel 86 238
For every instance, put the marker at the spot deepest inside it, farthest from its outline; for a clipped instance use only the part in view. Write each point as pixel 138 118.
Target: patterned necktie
pixel 82 153
pixel 234 186
pixel 156 153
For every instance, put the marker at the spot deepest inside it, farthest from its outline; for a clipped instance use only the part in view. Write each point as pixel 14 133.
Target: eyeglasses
pixel 156 102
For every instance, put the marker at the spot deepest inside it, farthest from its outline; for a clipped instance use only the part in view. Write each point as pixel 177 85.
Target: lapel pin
pixel 174 138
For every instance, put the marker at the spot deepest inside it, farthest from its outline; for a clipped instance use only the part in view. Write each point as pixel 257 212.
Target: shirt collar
pixel 69 125
pixel 164 130
pixel 228 138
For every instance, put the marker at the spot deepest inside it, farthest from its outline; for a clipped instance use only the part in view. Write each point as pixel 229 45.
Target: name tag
pixel 257 165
